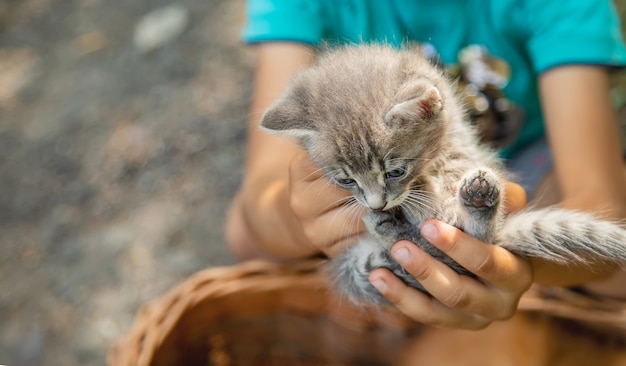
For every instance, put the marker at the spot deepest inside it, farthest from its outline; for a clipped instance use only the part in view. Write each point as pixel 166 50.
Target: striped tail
pixel 563 236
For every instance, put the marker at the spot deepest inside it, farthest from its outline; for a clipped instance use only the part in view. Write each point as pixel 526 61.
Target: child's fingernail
pixel 380 285
pixel 402 256
pixel 429 231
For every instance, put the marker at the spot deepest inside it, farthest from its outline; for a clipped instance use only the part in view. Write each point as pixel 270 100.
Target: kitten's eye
pixel 396 173
pixel 345 181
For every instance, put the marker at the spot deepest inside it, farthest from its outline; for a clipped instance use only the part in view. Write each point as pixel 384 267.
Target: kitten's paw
pixel 480 190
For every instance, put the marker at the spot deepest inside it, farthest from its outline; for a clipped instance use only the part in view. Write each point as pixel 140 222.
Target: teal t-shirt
pixel 531 36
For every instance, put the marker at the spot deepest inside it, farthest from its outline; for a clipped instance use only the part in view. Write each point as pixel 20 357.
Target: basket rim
pixel 158 317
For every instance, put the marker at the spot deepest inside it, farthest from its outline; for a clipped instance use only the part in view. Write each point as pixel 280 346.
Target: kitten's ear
pixel 286 119
pixel 423 107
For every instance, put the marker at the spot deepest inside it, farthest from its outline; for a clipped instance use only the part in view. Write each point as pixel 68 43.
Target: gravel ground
pixel 116 165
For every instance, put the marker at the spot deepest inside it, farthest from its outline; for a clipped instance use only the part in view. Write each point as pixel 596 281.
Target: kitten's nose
pixel 376 199
pixel 377 205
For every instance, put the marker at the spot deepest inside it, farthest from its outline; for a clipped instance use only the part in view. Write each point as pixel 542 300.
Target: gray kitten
pixel 386 125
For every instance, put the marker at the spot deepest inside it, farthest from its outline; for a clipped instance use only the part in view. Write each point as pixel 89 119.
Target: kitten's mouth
pixel 390 218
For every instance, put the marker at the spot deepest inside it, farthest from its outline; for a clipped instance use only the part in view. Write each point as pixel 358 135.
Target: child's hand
pixel 329 215
pixel 458 301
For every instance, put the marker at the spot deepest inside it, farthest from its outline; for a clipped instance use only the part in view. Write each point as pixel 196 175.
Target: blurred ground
pixel 116 166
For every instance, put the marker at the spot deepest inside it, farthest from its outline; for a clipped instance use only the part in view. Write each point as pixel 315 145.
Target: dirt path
pixel 116 166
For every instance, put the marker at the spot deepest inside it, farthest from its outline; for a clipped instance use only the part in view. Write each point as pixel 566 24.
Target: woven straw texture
pixel 259 313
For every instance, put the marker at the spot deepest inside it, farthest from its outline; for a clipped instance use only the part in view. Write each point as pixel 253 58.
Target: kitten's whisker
pixel 419 201
pixel 424 204
pixel 325 172
pixel 255 115
pixel 406 207
pixel 391 150
pixel 421 192
pixel 413 208
pixel 311 184
pixel 426 195
pixel 316 171
pixel 423 200
pixel 350 211
pixel 431 204
pixel 356 214
pixel 410 159
pixel 323 188
pixel 338 203
pixel 340 210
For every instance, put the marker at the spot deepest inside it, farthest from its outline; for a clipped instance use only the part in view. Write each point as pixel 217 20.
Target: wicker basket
pixel 260 313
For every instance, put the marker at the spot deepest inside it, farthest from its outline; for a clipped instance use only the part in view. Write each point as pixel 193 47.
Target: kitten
pixel 386 125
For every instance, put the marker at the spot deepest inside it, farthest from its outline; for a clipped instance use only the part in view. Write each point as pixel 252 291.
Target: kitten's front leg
pixel 479 195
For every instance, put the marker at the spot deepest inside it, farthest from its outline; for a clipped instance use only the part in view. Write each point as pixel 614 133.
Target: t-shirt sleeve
pixel 284 20
pixel 574 32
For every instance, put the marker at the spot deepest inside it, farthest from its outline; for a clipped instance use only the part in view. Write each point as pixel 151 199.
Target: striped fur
pixel 387 125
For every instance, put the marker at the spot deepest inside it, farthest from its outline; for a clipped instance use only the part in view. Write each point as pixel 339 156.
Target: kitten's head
pixel 370 117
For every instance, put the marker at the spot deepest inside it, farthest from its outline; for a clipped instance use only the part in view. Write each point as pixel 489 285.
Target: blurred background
pixel 122 132
pixel 119 153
